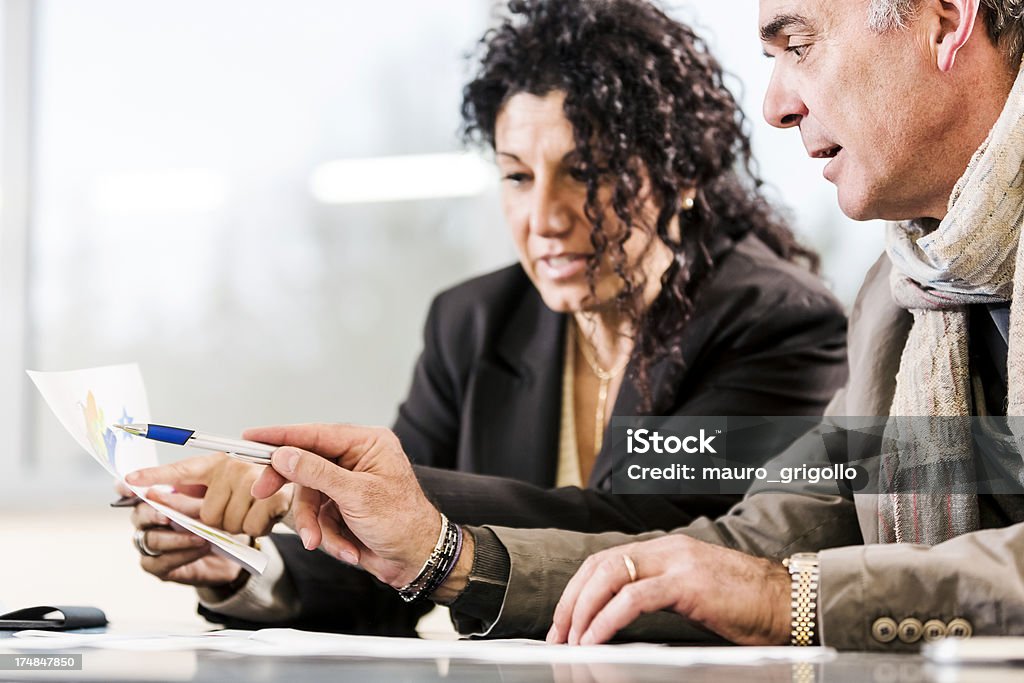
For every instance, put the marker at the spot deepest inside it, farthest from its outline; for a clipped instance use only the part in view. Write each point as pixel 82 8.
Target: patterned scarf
pixel 971 257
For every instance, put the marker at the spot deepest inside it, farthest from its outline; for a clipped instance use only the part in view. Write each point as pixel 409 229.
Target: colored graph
pixel 102 438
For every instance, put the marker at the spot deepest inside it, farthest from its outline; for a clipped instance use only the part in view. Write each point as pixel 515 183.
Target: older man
pixel 919 106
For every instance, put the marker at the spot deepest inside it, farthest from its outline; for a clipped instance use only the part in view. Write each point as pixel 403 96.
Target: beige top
pixel 568 450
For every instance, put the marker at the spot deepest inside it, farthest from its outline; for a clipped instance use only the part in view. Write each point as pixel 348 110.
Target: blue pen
pixel 247 451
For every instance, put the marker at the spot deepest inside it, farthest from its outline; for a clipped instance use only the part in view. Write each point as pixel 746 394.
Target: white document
pixel 527 651
pixel 976 650
pixel 88 403
pixel 292 643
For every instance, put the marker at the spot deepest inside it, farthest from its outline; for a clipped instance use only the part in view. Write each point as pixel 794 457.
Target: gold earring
pixel 687 203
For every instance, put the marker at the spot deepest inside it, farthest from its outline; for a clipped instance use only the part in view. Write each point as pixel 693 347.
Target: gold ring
pixel 630 567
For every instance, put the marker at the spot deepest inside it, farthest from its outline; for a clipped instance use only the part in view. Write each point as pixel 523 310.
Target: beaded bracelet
pixel 438 566
pixel 455 560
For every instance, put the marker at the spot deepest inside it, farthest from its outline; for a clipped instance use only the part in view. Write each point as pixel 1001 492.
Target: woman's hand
pixel 216 490
pixel 177 555
pixel 742 598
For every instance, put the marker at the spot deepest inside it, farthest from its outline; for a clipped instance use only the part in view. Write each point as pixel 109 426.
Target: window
pixel 183 212
pixel 173 193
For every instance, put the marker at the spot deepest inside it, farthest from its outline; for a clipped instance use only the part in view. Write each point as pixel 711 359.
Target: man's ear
pixel 953 26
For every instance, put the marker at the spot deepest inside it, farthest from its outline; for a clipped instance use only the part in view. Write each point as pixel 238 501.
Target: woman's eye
pixel 579 174
pixel 516 178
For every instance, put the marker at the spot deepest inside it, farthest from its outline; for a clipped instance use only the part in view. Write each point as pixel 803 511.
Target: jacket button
pixel 934 630
pixel 884 630
pixel 909 630
pixel 959 628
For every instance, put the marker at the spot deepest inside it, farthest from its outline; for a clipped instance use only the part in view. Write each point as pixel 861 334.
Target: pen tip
pixel 130 428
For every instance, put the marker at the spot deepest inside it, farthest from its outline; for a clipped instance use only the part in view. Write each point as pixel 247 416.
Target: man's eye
pixel 799 50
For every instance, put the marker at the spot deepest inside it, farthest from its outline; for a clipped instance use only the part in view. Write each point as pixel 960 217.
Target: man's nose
pixel 783 106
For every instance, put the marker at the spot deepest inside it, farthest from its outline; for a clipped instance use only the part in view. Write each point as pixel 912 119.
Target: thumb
pixel 310 470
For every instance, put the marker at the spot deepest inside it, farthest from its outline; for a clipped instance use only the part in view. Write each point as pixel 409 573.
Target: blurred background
pixel 255 200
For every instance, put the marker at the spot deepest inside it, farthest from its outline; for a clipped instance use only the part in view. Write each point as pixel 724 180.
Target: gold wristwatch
pixel 803 573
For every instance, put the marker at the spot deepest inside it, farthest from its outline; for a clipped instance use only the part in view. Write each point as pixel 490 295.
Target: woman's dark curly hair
pixel 647 103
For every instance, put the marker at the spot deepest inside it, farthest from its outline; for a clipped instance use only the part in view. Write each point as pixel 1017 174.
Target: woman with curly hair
pixel 657 151
pixel 653 279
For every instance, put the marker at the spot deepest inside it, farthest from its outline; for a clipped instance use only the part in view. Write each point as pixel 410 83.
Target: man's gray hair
pixel 1003 18
pixel 889 15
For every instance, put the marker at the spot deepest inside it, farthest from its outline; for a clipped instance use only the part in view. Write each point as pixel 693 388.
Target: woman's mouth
pixel 561 266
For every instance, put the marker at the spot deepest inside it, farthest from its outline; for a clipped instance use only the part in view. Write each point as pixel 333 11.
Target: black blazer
pixel 481 421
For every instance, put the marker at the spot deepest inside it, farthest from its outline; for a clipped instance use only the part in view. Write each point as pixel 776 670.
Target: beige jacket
pixel 872 597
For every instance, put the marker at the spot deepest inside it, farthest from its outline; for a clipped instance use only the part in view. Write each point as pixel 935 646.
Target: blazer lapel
pixel 515 397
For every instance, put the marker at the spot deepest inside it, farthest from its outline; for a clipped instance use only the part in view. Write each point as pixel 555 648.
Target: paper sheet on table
pixel 292 643
pixel 89 402
pixel 976 650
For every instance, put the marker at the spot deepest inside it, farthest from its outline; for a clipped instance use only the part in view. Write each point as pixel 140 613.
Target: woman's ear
pixel 674 232
pixel 689 198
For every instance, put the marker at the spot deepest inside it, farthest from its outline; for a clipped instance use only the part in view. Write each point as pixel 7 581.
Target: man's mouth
pixel 827 152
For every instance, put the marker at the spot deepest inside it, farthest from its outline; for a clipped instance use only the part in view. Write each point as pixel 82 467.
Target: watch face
pixel 802 561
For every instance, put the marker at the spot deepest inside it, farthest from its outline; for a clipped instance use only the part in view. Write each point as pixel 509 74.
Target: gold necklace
pixel 604 380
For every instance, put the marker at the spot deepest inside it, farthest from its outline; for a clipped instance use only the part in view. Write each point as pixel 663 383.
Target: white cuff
pixel 266 598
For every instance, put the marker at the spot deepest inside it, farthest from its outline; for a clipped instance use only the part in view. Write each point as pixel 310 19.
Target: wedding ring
pixel 139 539
pixel 630 567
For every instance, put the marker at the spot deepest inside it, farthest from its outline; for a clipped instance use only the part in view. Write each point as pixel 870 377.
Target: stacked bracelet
pixel 438 566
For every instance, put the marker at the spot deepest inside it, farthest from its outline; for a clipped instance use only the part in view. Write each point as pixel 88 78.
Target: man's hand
pixel 216 490
pixel 742 598
pixel 358 498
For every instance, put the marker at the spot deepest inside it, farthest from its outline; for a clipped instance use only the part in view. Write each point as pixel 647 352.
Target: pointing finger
pixel 189 471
